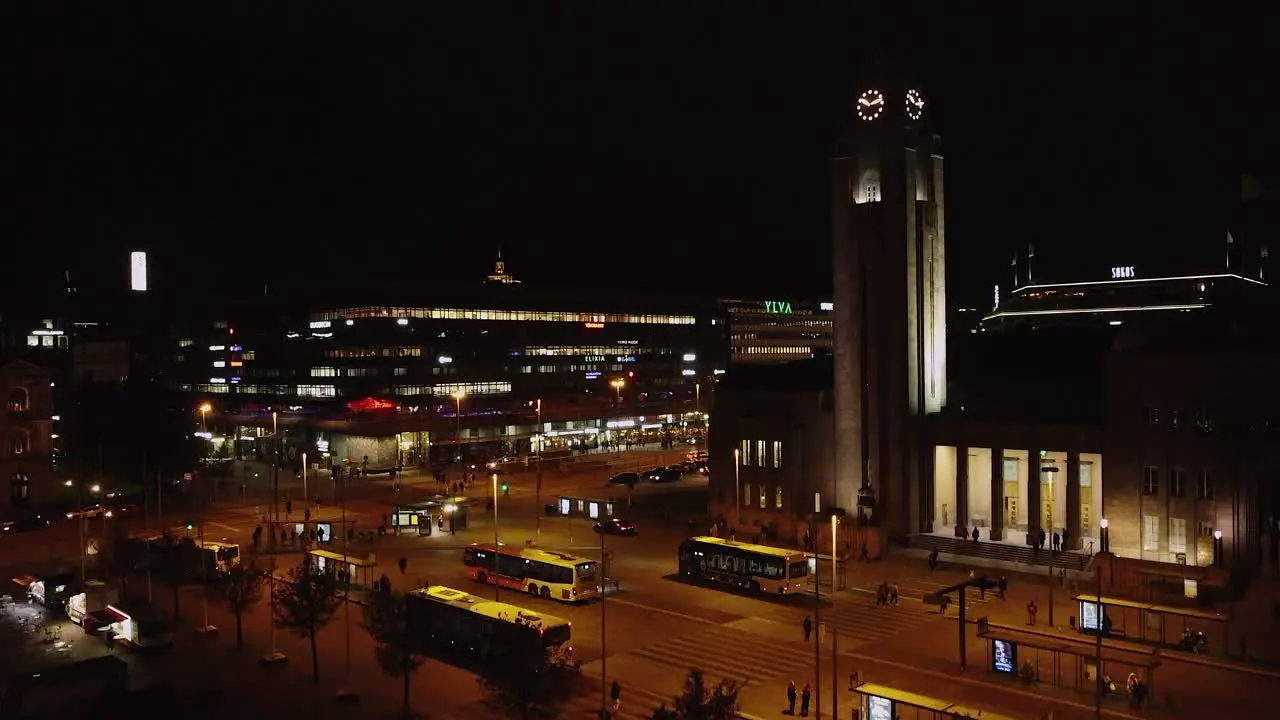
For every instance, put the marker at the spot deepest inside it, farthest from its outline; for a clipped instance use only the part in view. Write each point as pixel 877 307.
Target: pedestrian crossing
pixel 914 589
pixel 636 704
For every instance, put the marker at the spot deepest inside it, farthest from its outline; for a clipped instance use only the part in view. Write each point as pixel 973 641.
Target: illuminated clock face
pixel 870 105
pixel 915 105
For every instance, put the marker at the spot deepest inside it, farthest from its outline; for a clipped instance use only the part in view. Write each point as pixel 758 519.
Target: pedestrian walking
pixel 791 698
pixel 804 700
pixel 893 594
pixel 1032 609
pixel 808 628
pixel 1004 585
pixel 615 693
pixel 976 534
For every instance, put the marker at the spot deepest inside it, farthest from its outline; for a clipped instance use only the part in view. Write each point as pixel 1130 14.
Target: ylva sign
pixel 777 307
pixel 1122 273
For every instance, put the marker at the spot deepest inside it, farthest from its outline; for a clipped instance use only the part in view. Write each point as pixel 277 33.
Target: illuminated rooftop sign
pixel 777 307
pixel 1123 272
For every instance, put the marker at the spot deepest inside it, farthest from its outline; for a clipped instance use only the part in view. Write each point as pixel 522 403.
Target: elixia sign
pixel 777 307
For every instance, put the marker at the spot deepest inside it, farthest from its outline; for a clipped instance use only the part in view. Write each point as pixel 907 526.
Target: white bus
pixel 442 619
pixel 545 573
pixel 777 571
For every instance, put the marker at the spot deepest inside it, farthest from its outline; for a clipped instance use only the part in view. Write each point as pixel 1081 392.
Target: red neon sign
pixel 370 404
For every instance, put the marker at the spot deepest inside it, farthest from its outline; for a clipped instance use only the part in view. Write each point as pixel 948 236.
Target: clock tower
pixel 889 264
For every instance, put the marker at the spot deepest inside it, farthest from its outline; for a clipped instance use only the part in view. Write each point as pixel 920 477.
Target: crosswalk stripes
pixel 636 703
pixel 917 588
pixel 857 619
pixel 723 653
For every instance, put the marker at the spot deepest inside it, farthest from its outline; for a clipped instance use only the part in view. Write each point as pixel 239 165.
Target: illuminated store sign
pixel 777 307
pixel 1123 273
pixel 594 325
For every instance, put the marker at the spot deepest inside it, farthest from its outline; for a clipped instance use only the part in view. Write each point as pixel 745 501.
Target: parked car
pixel 625 478
pixel 24 523
pixel 615 526
pixel 669 476
pixel 678 467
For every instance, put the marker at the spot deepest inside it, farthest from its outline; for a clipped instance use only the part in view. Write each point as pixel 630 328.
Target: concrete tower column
pixel 1035 513
pixel 847 282
pixel 1073 501
pixel 998 510
pixel 962 491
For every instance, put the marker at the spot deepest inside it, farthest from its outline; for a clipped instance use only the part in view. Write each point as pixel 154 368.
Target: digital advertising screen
pixel 1089 615
pixel 1004 656
pixel 879 708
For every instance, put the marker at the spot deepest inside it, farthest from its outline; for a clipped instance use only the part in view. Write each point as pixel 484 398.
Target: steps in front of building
pixel 1003 552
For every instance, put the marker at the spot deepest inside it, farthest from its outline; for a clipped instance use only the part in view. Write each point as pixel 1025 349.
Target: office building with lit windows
pixel 493 373
pixel 774 331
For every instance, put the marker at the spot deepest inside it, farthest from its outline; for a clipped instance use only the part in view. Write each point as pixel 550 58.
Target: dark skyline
pixel 666 150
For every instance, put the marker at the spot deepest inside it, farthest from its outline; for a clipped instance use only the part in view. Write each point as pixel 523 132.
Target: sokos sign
pixel 1122 273
pixel 777 307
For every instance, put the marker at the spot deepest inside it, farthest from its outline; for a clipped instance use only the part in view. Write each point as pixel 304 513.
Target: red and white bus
pixel 545 573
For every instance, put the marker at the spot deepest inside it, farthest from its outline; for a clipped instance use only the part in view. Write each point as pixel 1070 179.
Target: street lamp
pixel 617 385
pixel 1105 539
pixel 204 416
pixel 1050 471
pixel 737 482
pixel 457 396
pixel 1217 547
pixel 537 492
pixel 494 478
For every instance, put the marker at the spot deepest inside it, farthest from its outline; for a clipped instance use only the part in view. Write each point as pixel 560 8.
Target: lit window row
pixel 211 388
pixel 396 351
pixel 448 389
pixel 760 453
pixel 592 350
pixel 756 323
pixel 773 350
pixel 502 315
pixel 748 499
pixel 325 372
pixel 611 367
pixel 317 391
pixel 46 340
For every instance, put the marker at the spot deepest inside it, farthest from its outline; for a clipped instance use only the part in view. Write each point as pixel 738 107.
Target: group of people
pixel 805 695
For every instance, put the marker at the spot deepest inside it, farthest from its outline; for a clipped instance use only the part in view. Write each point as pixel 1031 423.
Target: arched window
pixel 19 399
pixel 20 488
pixel 19 441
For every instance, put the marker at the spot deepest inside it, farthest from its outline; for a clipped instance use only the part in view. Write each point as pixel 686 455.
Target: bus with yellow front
pixel 546 573
pixel 442 619
pixel 761 568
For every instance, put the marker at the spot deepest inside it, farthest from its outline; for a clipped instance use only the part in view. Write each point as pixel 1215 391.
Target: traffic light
pixel 505 487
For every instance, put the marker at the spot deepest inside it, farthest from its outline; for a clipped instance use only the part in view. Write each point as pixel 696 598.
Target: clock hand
pixel 863 101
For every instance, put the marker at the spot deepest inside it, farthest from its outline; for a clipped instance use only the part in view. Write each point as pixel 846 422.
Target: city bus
pixel 771 570
pixel 545 573
pixel 442 619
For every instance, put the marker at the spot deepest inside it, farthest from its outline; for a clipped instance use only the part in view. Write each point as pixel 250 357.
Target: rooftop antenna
pixel 1031 255
pixel 1230 241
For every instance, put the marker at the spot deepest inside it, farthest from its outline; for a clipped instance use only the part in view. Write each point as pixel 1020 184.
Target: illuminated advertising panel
pixel 138 271
pixel 1004 656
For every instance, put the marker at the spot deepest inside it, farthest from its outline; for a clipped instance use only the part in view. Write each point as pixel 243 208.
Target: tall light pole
pixel 737 481
pixel 305 502
pixel 537 492
pixel 204 427
pixel 1050 471
pixel 494 477
pixel 206 628
pixel 275 473
pixel 604 627
pixel 457 426
pixel 617 386
pixel 697 409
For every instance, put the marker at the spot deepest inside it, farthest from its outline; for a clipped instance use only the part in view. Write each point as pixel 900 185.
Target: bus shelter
pixel 436 514
pixel 357 569
pixel 591 509
pixel 1147 622
pixel 1062 662
pixel 881 702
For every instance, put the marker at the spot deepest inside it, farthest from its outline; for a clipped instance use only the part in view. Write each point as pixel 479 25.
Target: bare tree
pixel 305 602
pixel 528 682
pixel 386 619
pixel 698 702
pixel 244 587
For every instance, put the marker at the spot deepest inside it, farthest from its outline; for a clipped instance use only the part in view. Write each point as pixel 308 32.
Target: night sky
pixel 660 148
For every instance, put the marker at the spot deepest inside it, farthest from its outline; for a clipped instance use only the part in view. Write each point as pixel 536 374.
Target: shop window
pixel 20 488
pixel 1150 481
